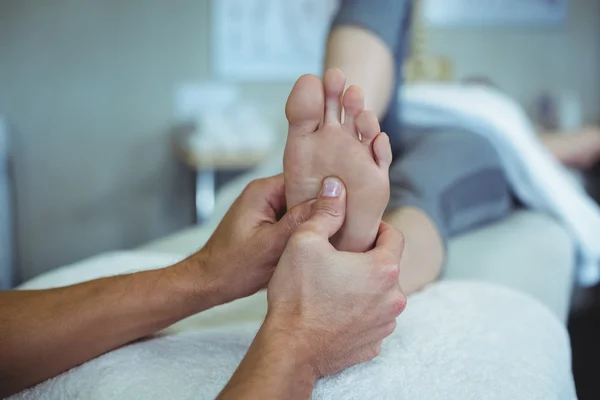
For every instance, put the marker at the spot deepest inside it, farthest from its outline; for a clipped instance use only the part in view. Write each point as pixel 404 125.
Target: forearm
pixel 46 332
pixel 366 61
pixel 276 367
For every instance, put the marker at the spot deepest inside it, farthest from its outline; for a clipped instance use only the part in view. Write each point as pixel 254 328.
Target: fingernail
pixel 332 187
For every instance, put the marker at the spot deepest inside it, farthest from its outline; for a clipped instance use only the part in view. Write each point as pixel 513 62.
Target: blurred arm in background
pixel 580 150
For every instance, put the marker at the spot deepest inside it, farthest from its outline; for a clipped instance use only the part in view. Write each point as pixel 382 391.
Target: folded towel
pixel 537 178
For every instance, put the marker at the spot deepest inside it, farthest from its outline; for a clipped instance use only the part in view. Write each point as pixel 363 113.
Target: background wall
pixel 524 62
pixel 88 85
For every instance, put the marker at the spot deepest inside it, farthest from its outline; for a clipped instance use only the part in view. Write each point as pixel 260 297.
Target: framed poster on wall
pixel 495 13
pixel 269 40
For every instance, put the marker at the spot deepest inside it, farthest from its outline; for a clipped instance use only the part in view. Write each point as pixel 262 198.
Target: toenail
pixel 332 187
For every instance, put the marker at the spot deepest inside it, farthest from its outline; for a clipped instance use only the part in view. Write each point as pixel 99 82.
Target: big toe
pixel 304 107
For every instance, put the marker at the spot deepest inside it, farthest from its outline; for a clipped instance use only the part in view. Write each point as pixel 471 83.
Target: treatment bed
pixel 457 338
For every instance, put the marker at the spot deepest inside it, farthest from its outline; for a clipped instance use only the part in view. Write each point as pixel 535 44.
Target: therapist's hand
pixel 240 257
pixel 328 309
pixel 337 306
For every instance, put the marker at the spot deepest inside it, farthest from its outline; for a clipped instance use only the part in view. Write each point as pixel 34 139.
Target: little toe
pixel 334 82
pixel 304 107
pixel 367 125
pixel 382 150
pixel 354 104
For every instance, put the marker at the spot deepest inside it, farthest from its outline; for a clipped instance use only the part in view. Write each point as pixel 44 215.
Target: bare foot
pixel 319 145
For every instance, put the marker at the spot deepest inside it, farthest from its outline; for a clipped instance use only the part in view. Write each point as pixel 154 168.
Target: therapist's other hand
pixel 337 306
pixel 242 253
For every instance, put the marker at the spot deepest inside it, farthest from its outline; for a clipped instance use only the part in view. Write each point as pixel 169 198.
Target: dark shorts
pixel 454 176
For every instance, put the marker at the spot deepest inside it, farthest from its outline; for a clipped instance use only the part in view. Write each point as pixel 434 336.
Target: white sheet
pixel 536 177
pixel 455 340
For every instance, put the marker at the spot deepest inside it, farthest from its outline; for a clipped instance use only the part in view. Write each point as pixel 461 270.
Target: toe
pixel 368 126
pixel 304 107
pixel 334 82
pixel 354 104
pixel 382 150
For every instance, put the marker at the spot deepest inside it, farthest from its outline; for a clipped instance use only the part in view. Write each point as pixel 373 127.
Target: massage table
pixel 457 339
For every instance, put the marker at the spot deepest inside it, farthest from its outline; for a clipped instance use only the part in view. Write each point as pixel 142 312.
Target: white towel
pixel 456 340
pixel 537 178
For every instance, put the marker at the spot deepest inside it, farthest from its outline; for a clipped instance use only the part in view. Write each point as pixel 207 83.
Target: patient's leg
pixel 319 144
pixel 424 251
pixel 444 183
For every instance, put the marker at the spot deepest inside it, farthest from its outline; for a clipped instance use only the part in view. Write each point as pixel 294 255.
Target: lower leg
pixel 445 183
pixel 423 254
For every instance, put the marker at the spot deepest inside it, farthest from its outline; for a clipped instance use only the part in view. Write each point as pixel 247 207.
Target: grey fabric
pixel 455 177
pixel 382 17
pixel 390 21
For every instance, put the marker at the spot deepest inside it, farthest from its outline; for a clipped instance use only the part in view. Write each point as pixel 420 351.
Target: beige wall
pixel 526 61
pixel 88 85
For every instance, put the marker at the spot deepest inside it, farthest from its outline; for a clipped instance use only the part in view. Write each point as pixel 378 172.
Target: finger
pixel 389 240
pixel 367 353
pixel 395 303
pixel 373 338
pixel 384 330
pixel 274 193
pixel 271 188
pixel 266 197
pixel 329 210
pixel 293 218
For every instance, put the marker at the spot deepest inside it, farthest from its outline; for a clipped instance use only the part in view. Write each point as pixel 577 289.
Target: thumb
pixel 293 218
pixel 329 210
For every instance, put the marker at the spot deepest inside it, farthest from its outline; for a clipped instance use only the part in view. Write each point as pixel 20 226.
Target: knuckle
pixel 398 303
pixel 249 191
pixel 327 208
pixel 392 272
pixel 302 236
pixel 253 186
pixel 368 354
pixel 389 272
pixel 389 328
pixel 294 219
pixel 376 350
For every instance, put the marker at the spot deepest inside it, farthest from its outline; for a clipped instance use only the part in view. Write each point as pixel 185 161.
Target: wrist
pixel 195 281
pixel 286 333
pixel 276 366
